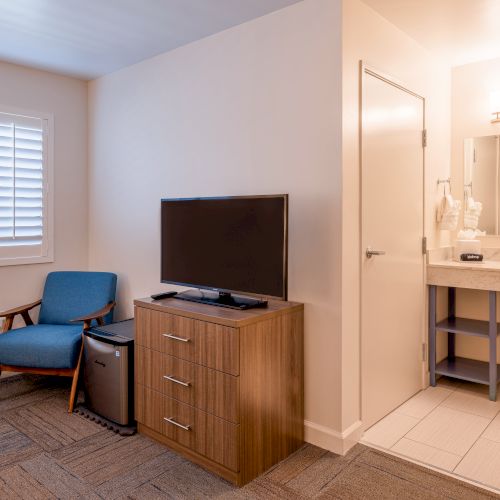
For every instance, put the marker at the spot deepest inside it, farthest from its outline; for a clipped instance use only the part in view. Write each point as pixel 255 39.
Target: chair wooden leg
pixel 7 324
pixel 74 385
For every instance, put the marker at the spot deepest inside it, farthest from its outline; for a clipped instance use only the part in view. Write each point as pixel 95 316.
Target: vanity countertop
pixel 442 270
pixel 485 265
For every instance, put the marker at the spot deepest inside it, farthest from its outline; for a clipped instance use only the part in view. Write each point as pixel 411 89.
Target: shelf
pixel 466 326
pixel 466 369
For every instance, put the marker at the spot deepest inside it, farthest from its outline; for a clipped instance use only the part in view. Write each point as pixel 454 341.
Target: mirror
pixel 481 183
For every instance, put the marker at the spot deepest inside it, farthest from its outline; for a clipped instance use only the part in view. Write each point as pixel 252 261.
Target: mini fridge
pixel 109 371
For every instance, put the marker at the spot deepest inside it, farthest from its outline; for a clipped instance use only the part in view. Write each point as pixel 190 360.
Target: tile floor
pixel 453 427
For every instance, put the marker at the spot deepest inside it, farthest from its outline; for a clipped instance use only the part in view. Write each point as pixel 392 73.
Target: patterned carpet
pixel 47 453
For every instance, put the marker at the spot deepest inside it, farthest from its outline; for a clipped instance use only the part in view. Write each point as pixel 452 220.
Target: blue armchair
pixel 54 346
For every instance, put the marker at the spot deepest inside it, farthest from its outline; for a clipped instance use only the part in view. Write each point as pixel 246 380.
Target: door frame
pixel 364 71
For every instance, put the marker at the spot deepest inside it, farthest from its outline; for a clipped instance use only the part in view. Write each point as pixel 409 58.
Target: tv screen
pixel 235 244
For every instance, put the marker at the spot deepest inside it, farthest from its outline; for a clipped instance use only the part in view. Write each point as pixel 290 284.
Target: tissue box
pixel 466 246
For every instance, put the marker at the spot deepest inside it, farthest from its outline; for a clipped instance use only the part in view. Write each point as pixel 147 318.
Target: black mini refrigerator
pixel 109 371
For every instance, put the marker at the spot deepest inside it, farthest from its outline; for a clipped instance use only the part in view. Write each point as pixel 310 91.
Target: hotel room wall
pixel 471 85
pixel 252 110
pixel 66 99
pixel 371 38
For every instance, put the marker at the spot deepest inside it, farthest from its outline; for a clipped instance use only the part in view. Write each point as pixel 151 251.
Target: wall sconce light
pixel 495 106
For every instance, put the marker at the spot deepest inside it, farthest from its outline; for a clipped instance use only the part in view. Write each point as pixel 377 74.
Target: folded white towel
pixel 470 234
pixel 472 213
pixel 448 213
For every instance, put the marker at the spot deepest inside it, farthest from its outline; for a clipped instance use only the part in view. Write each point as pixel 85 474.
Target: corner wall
pixel 470 111
pixel 471 117
pixel 255 109
pixel 369 37
pixel 66 99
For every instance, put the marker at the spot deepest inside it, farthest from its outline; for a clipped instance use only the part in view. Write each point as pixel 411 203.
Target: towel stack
pixel 470 234
pixel 472 212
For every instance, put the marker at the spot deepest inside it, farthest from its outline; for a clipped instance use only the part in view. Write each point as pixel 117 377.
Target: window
pixel 25 175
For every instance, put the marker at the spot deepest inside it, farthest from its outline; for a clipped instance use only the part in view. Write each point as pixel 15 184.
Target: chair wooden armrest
pixel 97 315
pixel 22 310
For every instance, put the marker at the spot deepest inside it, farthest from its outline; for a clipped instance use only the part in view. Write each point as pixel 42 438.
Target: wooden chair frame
pixel 62 372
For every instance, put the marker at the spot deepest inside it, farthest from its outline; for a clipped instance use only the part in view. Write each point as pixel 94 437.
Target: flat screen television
pixel 225 246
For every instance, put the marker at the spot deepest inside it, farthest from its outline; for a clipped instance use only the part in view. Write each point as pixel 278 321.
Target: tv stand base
pixel 221 299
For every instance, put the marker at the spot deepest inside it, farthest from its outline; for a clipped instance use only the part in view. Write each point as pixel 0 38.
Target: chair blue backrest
pixel 70 294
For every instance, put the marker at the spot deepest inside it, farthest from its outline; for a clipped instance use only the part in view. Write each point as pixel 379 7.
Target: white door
pixel 392 214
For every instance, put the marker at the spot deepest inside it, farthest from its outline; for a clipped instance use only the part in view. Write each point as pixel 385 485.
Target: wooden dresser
pixel 224 388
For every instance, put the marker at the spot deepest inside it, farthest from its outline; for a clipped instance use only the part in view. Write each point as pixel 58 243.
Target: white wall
pixel 471 113
pixel 254 109
pixel 66 99
pixel 471 117
pixel 369 37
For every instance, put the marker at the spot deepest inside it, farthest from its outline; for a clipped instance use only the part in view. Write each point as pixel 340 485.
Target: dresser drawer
pixel 201 432
pixel 209 390
pixel 200 342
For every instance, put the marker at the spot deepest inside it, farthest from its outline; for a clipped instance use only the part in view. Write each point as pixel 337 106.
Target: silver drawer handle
pixel 177 381
pixel 172 421
pixel 173 337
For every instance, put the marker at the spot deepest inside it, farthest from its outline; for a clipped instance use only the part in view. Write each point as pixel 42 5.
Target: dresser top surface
pixel 220 315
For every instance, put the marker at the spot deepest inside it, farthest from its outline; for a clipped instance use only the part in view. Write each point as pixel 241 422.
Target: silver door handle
pixel 176 381
pixel 370 253
pixel 173 422
pixel 173 337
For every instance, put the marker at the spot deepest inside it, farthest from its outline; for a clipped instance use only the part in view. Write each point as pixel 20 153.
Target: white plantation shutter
pixel 23 186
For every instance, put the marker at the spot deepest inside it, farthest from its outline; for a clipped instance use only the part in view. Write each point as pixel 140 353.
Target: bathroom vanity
pixel 443 271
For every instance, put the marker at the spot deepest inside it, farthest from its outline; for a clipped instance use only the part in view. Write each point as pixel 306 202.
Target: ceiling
pixel 89 38
pixel 462 31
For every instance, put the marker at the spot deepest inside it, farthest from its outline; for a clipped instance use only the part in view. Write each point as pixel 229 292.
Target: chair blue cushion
pixel 70 294
pixel 41 346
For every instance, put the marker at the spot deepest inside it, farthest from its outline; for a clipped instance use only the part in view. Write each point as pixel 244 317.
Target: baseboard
pixel 329 439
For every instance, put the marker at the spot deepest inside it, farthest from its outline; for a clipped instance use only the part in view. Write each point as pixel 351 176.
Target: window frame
pixel 18 256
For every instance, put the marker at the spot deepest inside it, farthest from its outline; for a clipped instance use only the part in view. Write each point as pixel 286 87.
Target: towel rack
pixel 444 182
